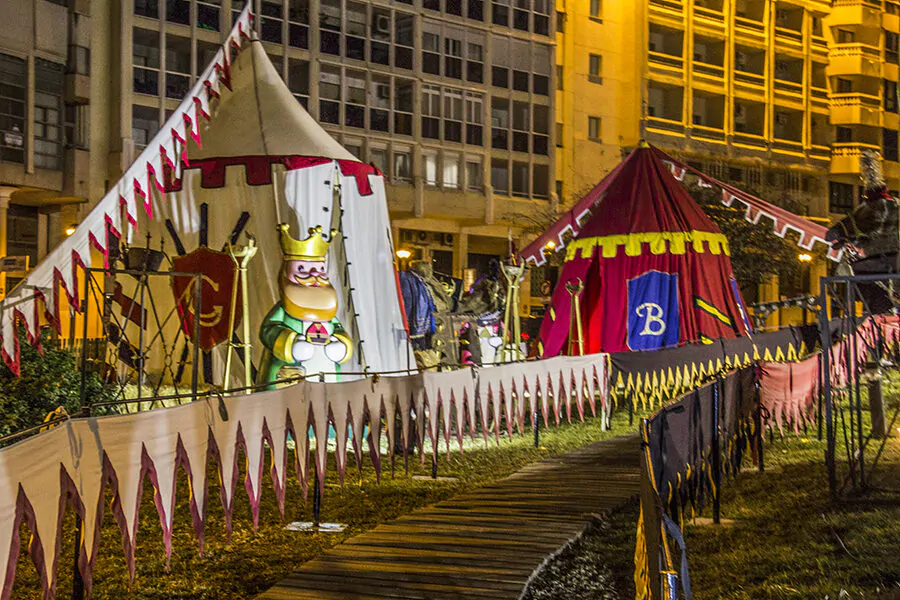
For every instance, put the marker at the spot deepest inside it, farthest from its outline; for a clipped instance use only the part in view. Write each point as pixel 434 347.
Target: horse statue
pixel 870 235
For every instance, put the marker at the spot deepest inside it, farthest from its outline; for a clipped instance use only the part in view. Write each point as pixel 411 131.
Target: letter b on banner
pixel 653 311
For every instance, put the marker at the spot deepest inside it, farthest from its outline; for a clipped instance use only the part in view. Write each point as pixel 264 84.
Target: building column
pixel 460 253
pixel 5 196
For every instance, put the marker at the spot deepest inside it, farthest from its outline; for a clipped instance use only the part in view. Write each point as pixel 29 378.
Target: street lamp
pixel 403 253
pixel 71 229
pixel 805 258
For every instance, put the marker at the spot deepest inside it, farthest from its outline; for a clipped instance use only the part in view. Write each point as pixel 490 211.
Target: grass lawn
pixel 254 561
pixel 782 537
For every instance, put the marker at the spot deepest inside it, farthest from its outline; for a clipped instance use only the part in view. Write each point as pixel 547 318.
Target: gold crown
pixel 314 247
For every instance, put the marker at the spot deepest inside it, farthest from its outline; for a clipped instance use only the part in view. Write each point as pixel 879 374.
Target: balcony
pixel 864 13
pixel 667 10
pixel 707 134
pixel 665 126
pixel 749 140
pixel 845 157
pixel 666 67
pixel 820 152
pixel 854 59
pixel 709 19
pixel 788 39
pixel 750 31
pixel 789 93
pixel 750 85
pixel 856 109
pixel 819 97
pixel 789 147
pixel 713 75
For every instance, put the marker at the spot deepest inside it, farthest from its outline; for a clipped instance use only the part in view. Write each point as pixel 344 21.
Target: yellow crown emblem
pixel 314 247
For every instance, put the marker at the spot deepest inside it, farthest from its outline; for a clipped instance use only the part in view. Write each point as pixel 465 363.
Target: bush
pixel 46 382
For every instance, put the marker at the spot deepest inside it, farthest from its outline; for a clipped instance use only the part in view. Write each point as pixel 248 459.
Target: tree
pixel 44 384
pixel 756 252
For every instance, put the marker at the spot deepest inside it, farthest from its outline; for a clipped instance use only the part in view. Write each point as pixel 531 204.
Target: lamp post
pixel 805 260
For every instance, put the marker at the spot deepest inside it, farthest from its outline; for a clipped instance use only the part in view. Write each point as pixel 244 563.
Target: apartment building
pixel 451 99
pixel 778 96
pixel 44 89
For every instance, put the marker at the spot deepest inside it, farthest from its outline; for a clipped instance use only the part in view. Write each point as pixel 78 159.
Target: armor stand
pixel 241 257
pixel 511 350
pixel 576 334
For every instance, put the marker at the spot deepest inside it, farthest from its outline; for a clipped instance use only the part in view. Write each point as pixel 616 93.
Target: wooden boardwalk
pixel 482 544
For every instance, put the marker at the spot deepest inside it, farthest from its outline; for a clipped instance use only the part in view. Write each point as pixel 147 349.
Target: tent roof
pixel 264 117
pixel 644 197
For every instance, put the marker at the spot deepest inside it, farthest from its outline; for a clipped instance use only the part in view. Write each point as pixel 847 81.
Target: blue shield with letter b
pixel 653 311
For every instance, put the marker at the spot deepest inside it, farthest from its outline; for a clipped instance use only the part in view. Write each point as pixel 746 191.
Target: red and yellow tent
pixel 655 269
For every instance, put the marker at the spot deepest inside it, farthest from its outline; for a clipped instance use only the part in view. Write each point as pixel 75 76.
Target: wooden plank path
pixel 482 544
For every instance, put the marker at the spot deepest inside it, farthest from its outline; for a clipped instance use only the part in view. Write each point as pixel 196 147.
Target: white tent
pixel 241 142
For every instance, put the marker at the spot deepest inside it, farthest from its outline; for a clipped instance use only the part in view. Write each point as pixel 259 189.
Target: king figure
pixel 301 334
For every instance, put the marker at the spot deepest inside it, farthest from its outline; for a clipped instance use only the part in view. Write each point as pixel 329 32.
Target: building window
pixel 840 197
pixel 500 77
pixel 540 128
pixel 890 96
pixel 147 8
pixel 403 106
pixel 475 62
pixel 500 123
pixel 520 185
pixel 594 72
pixel 330 27
pixel 559 135
pixel 178 67
pixel 48 122
pixel 453 7
pixel 450 178
pixel 402 166
pixel 559 191
pixel 474 118
pixel 144 125
pixel 298 24
pixel 178 11
pixel 540 181
pixel 77 126
pixel 500 175
pixel 520 81
pixel 271 22
pixel 453 58
pixel 473 176
pixel 541 17
pixel 559 78
pixel 79 60
pixel 594 128
pixel 521 15
pixel 145 60
pixel 298 80
pixel 431 57
pixel 889 144
pixel 380 104
pixel 521 126
pixel 500 12
pixel 429 162
pixel 475 10
pixel 845 37
pixel 844 135
pixel 355 103
pixel 453 115
pixel 596 8
pixel 844 86
pixel 560 22
pixel 356 34
pixel 208 14
pixel 380 42
pixel 378 157
pixel 13 79
pixel 891 47
pixel 403 41
pixel 330 95
pixel 431 112
pixel 22 232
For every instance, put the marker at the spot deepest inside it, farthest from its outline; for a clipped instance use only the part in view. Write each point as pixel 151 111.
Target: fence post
pixel 759 424
pixel 652 517
pixel 825 334
pixel 536 426
pixel 716 457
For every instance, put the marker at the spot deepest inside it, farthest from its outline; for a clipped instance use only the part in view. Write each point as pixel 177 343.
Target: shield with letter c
pixel 217 271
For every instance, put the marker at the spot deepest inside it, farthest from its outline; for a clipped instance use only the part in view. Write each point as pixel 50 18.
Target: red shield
pixel 219 275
